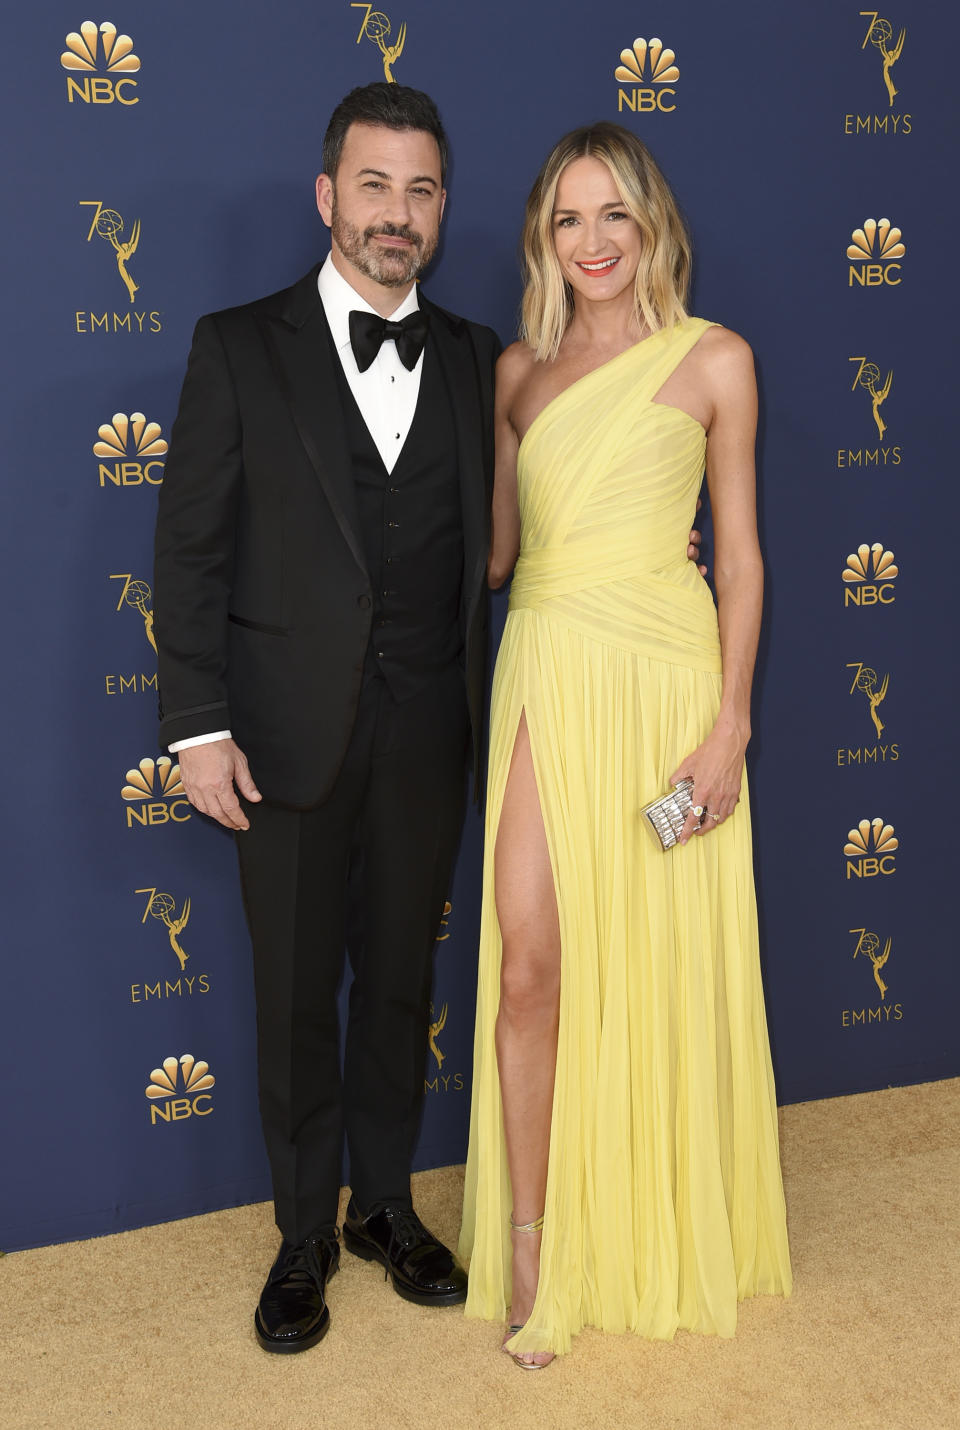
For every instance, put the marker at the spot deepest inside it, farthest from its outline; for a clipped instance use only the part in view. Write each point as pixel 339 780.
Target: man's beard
pixel 390 267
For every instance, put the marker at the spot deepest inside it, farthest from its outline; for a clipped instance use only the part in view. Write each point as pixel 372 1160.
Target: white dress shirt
pixel 386 393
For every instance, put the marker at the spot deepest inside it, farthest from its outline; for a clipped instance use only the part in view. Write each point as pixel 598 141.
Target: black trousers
pixel 369 869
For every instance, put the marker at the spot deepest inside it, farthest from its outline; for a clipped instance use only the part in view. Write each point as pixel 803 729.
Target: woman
pixel 623 1168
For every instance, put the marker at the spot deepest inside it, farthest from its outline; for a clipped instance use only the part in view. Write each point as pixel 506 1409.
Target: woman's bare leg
pixel 528 1018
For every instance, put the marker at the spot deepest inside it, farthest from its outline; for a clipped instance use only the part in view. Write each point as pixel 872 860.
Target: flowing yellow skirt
pixel 664 1199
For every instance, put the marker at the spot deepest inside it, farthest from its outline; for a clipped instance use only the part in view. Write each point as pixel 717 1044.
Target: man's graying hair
pixel 395 106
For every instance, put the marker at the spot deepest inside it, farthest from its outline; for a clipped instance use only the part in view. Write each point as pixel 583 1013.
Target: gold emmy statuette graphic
pixel 109 225
pixel 81 52
pixel 868 376
pixel 161 906
pixel 879 34
pixel 442 935
pixel 437 1027
pixel 138 596
pixel 377 27
pixel 866 680
pixel 869 945
pixel 140 782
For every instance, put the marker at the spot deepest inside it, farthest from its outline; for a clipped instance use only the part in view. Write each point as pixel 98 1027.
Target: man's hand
pixel 693 550
pixel 209 773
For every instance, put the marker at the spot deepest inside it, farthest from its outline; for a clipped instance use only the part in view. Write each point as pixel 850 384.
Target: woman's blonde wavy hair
pixel 663 274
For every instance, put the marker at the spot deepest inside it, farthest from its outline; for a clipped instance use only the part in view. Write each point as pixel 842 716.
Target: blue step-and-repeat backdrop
pixel 162 162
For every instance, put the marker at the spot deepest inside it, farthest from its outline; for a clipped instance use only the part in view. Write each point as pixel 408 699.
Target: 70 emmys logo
pixel 194 1078
pixel 96 49
pixel 879 35
pixel 138 596
pixel 377 28
pixel 648 60
pixel 870 849
pixel 868 947
pixel 156 778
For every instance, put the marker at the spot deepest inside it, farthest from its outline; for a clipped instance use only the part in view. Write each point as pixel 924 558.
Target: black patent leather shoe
pixel 421 1268
pixel 292 1314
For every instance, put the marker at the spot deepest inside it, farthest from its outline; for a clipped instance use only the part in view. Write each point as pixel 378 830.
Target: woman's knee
pixel 529 979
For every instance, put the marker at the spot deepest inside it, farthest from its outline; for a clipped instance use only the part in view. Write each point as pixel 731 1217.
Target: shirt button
pixel 393 379
pixel 398 436
pixel 363 602
pixel 394 490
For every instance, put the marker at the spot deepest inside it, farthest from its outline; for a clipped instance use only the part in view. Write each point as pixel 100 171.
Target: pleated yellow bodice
pixel 607 482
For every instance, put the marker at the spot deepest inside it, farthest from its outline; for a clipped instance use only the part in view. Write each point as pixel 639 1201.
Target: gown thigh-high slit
pixel 664 1203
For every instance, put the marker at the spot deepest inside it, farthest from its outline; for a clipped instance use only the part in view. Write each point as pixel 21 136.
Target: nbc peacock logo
pixel 155 794
pixel 870 848
pixel 99 63
pixel 649 67
pixel 185 1075
pixel 874 251
pixel 130 450
pixel 869 576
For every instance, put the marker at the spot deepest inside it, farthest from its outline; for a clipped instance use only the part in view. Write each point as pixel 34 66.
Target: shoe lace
pixel 302 1262
pixel 405 1230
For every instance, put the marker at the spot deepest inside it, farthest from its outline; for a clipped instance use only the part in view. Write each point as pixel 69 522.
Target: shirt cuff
pixel 199 740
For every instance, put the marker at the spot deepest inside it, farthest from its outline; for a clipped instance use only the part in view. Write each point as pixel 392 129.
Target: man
pixel 320 595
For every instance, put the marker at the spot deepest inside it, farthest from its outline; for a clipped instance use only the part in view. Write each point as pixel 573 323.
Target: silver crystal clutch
pixel 666 815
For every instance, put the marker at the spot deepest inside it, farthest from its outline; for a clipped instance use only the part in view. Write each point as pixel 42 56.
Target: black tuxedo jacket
pixel 262 598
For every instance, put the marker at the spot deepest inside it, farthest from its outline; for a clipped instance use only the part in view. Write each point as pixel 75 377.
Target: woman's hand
pixel 716 768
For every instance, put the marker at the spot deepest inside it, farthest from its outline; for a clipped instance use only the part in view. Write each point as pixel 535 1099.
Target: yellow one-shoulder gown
pixel 664 1201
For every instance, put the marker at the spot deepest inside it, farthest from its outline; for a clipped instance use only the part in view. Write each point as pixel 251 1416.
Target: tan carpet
pixel 151 1330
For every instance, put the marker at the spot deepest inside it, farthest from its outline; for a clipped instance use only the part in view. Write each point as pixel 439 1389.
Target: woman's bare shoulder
pixel 725 349
pixel 515 364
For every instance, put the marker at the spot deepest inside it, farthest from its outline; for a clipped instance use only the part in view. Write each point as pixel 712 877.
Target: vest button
pixel 363 602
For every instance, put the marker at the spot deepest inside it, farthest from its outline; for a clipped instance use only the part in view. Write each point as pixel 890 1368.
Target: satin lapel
pixel 303 358
pixel 458 364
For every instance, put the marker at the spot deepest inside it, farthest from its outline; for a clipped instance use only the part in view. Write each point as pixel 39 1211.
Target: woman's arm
pixel 512 366
pixel 717 764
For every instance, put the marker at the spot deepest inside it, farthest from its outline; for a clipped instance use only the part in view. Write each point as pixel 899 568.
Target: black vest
pixel 411 529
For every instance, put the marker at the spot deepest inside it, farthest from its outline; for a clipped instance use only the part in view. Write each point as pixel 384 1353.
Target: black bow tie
pixel 368 330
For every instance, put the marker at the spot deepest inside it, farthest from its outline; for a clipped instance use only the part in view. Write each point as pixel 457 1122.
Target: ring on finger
pixel 697 809
pixel 717 817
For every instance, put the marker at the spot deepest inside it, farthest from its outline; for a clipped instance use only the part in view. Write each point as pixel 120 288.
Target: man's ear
pixel 443 201
pixel 325 198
